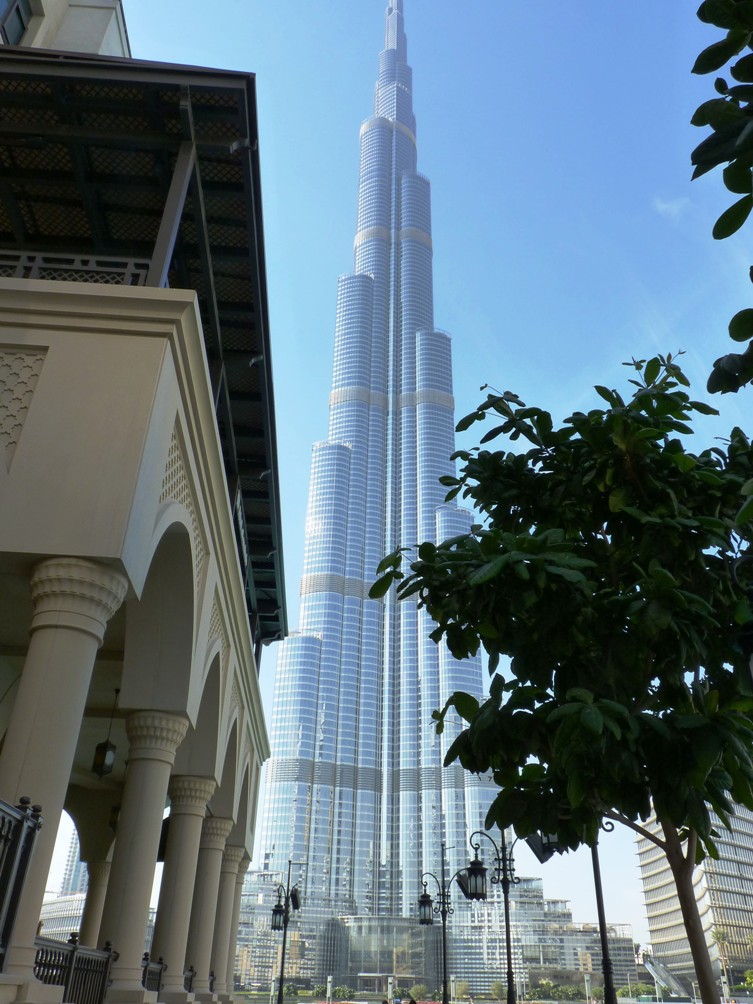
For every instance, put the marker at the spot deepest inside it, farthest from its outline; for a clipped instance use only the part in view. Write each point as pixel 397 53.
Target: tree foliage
pixel 637 990
pixel 729 115
pixel 343 993
pixel 603 569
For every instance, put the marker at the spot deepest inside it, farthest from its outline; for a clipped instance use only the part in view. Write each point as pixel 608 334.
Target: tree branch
pixel 637 828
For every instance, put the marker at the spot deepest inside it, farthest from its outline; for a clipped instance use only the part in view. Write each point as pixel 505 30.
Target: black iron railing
pixel 84 973
pixel 19 825
pixel 152 972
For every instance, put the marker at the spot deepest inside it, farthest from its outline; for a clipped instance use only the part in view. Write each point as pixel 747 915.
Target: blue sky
pixel 567 234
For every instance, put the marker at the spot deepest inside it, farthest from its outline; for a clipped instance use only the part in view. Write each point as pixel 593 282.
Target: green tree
pixel 462 988
pixel 343 993
pixel 319 990
pixel 419 992
pixel 729 114
pixel 498 990
pixel 603 570
pixel 637 990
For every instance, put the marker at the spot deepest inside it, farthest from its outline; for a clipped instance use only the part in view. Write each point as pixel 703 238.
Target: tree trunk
pixel 682 872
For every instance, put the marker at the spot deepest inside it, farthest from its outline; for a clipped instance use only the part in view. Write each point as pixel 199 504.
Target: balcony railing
pixel 84 973
pixel 19 826
pixel 152 973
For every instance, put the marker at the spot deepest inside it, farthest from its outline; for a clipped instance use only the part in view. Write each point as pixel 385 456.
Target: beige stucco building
pixel 140 553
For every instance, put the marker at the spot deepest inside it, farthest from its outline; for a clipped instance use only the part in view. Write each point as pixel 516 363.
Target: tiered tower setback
pixel 356 795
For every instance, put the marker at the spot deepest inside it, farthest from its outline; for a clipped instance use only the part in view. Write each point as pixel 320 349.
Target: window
pixel 14 20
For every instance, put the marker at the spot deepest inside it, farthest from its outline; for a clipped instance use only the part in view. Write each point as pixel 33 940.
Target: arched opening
pixel 159 630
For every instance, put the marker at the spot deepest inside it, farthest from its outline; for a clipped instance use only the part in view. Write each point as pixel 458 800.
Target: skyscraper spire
pixel 355 786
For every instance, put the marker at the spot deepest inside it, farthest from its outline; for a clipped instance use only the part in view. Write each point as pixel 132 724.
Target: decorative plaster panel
pixel 19 372
pixel 176 487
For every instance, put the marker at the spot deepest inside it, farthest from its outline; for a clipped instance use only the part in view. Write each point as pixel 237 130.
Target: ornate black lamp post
pixel 286 898
pixel 544 847
pixel 504 875
pixel 610 994
pixel 427 909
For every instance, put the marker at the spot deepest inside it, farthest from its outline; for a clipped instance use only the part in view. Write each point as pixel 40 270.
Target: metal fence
pixel 84 973
pixel 152 972
pixel 19 825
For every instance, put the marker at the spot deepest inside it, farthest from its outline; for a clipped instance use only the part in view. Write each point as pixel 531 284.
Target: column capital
pixel 242 869
pixel 215 832
pixel 189 795
pixel 155 735
pixel 99 871
pixel 77 594
pixel 232 857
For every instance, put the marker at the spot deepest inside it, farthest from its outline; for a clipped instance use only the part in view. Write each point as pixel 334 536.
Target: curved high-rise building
pixel 356 795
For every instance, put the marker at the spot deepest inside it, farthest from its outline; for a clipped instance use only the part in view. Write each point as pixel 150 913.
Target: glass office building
pixel 356 795
pixel 724 893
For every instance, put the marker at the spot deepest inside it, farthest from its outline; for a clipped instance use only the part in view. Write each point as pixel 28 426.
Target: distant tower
pixel 356 793
pixel 724 893
pixel 75 876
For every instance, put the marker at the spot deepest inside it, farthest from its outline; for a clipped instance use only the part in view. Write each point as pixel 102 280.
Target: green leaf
pixel 580 694
pixel 592 720
pixel 716 55
pixel 467 422
pixel 741 325
pixel 653 368
pixel 717 112
pixel 382 586
pixel 742 70
pixel 392 560
pixel 466 705
pixel 607 394
pixel 489 571
pixel 563 711
pixel 733 218
pixel 704 409
pixel 747 488
pixel 618 499
pixel 745 514
pixel 684 462
pixel 737 178
pixel 726 13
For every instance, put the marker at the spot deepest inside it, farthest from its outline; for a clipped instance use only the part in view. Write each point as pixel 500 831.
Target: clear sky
pixel 567 234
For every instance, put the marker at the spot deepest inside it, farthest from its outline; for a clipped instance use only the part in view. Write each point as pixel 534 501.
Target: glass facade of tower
pixel 356 795
pixel 724 893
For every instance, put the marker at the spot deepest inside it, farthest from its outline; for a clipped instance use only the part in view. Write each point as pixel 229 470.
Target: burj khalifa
pixel 356 795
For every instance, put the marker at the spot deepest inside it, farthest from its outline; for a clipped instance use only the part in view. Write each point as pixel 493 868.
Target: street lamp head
pixel 278 915
pixel 295 898
pixel 476 880
pixel 425 908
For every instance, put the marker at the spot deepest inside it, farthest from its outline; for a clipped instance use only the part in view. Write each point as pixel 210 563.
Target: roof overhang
pixel 115 170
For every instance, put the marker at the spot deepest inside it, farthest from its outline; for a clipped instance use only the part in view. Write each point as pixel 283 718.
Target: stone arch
pixel 224 801
pixel 159 651
pixel 198 753
pixel 241 833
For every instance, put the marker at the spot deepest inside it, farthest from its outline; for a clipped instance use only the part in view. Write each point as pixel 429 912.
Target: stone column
pixel 154 738
pixel 96 889
pixel 234 924
pixel 188 807
pixel 214 833
pixel 73 601
pixel 223 921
